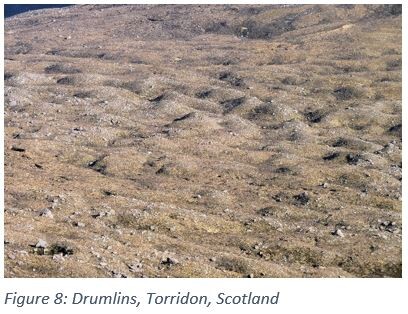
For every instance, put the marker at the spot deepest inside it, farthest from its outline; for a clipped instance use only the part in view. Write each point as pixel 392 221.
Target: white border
pixel 296 295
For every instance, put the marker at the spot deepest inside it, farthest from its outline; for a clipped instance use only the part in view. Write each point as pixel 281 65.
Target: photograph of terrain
pixel 203 141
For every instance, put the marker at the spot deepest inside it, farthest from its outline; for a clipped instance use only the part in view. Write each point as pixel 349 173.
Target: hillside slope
pixel 203 141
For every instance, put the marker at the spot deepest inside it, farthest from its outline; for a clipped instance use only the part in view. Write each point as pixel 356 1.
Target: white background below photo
pixel 295 295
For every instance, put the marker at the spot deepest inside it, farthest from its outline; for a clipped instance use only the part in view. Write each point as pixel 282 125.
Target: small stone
pixel 244 31
pixel 338 233
pixel 58 257
pixel 353 159
pixel 79 224
pixel 96 254
pixel 46 212
pixel 278 198
pixel 169 261
pixel 98 214
pixel 302 198
pixel 118 275
pixel 60 249
pixel 311 229
pixel 41 244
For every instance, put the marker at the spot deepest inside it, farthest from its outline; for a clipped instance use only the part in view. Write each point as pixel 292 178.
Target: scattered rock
pixel 353 159
pixel 387 149
pixel 58 258
pixel 94 253
pixel 390 226
pixel 342 226
pixel 103 213
pixel 46 212
pixel 383 236
pixel 41 244
pixel 118 275
pixel 278 197
pixel 169 261
pixel 61 249
pixel 266 211
pixel 98 165
pixel 244 31
pixel 338 233
pixel 302 198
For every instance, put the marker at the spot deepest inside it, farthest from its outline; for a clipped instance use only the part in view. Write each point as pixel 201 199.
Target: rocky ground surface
pixel 203 141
